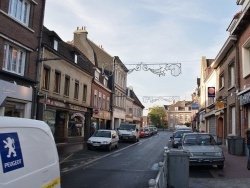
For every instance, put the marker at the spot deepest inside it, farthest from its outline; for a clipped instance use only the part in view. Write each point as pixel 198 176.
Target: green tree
pixel 157 115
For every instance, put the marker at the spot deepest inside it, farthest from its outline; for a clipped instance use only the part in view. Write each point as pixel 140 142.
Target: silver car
pixel 204 150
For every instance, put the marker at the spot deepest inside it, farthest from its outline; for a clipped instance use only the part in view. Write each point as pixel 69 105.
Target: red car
pixel 141 133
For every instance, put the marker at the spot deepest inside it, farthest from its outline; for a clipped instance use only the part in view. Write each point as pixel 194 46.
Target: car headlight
pixel 191 154
pixel 105 142
pixel 218 154
pixel 89 141
pixel 133 133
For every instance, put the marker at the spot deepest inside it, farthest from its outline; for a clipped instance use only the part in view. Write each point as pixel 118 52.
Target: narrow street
pixel 138 163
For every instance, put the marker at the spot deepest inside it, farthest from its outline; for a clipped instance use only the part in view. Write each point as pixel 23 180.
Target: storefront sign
pixel 11 90
pixel 245 98
pixel 78 108
pixel 211 91
pixel 53 102
pixel 195 106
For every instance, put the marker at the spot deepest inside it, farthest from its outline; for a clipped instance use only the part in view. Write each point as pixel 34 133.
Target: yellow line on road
pixel 66 158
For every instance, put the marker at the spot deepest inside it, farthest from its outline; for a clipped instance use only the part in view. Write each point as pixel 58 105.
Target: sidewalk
pixel 235 171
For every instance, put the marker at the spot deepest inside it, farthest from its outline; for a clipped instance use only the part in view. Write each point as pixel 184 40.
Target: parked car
pixel 155 130
pixel 141 132
pixel 147 132
pixel 204 150
pixel 128 132
pixel 182 127
pixel 103 139
pixel 175 140
pixel 151 131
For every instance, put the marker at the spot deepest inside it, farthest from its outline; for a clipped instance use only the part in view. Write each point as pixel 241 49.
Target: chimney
pixel 80 33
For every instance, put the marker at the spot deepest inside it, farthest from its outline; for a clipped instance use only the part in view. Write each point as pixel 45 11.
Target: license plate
pixel 125 137
pixel 96 144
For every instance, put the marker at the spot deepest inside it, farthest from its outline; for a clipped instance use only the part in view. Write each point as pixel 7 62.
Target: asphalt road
pixel 132 165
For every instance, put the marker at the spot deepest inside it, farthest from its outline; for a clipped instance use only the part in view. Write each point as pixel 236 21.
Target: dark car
pixel 175 140
pixel 203 149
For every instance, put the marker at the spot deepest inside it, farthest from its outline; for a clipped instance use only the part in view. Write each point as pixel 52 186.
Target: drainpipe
pixel 36 89
pixel 237 65
pixel 112 96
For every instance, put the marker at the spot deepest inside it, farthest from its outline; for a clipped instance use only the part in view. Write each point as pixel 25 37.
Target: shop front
pixel 99 120
pixel 69 123
pixel 15 100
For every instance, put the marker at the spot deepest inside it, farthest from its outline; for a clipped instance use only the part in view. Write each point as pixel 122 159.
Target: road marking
pixel 66 158
pixel 116 154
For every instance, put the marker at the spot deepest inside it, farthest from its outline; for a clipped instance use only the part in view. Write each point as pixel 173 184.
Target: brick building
pixel 20 32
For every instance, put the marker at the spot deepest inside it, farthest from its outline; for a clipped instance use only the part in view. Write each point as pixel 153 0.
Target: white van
pixel 29 156
pixel 128 132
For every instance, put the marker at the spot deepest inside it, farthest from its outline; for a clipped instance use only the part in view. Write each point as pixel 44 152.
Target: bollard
pixel 152 183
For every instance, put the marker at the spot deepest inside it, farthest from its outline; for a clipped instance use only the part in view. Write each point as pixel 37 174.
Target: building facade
pixel 20 35
pixel 64 90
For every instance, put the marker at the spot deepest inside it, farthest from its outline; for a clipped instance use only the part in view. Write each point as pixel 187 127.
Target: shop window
pixel 46 78
pixel 75 125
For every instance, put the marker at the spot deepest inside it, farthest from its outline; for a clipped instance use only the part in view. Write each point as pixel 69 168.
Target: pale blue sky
pixel 149 31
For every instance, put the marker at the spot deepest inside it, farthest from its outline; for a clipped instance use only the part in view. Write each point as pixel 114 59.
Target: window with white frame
pixel 97 74
pixel 20 10
pixel 100 100
pixel 14 59
pixel 75 58
pixel 103 101
pixel 55 45
pixel 221 81
pixel 232 75
pixel 95 98
pixel 246 58
pixel 105 81
pixel 108 103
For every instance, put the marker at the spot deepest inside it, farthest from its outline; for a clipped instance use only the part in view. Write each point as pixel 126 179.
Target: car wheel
pixel 117 146
pixel 109 147
pixel 220 166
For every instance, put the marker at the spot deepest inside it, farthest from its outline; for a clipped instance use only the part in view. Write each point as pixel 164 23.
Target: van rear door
pixel 29 155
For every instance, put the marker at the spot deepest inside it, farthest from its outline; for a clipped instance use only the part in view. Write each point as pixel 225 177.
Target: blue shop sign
pixel 11 152
pixel 245 98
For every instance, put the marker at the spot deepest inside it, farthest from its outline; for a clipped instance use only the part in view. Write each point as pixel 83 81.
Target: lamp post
pixel 112 94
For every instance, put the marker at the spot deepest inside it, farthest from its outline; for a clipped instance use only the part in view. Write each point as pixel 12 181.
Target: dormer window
pixel 97 74
pixel 75 59
pixel 105 81
pixel 55 45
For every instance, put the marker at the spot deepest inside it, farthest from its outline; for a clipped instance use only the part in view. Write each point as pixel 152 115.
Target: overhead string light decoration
pixel 153 99
pixel 175 68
